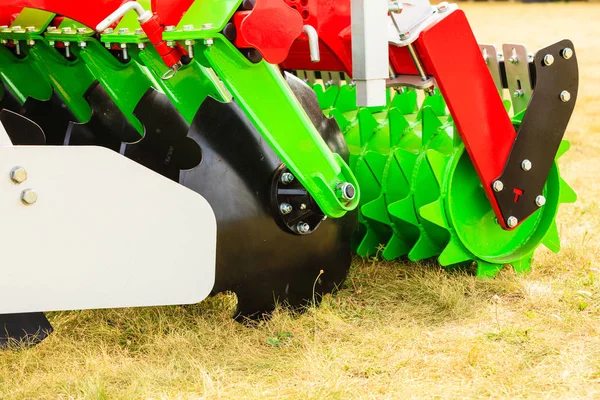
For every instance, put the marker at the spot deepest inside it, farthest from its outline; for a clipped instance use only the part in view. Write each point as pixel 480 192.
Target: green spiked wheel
pixel 421 197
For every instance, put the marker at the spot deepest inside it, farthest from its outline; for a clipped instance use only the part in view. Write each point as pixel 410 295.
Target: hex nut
pixel 18 175
pixel 29 196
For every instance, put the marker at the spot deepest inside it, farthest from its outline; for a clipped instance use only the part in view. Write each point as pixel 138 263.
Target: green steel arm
pixel 265 97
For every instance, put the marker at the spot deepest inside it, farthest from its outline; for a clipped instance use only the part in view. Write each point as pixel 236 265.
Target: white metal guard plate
pixel 105 232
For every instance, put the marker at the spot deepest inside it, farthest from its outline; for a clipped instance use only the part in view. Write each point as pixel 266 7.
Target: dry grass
pixel 395 330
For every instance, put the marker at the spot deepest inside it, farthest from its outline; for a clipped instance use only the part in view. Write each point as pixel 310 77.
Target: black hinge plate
pixel 541 131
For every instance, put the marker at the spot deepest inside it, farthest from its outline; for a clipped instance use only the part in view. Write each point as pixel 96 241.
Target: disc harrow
pixel 168 146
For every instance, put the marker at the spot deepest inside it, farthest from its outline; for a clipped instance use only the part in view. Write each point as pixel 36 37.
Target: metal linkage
pixel 541 132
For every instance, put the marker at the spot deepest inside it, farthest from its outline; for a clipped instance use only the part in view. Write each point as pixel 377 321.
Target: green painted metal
pixel 421 195
pixel 128 30
pixel 204 19
pixel 23 77
pixel 263 94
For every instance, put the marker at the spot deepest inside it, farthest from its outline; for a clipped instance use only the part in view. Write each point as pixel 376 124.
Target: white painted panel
pixel 105 232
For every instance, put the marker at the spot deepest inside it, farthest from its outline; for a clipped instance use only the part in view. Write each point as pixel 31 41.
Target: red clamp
pixel 271 28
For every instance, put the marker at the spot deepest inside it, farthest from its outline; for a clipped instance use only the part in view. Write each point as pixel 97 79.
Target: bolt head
pixel 303 206
pixel 207 26
pixel 303 227
pixel 526 165
pixel 512 222
pixel 548 60
pixel 513 60
pixel 31 42
pixel 518 93
pixel 540 201
pixel 170 28
pixel 82 44
pixel 346 191
pixel 81 30
pixel 141 46
pixel 209 42
pixel 498 186
pixel 567 53
pixel 29 196
pixel 18 175
pixel 188 27
pixel 287 178
pixel 190 42
pixel 285 208
pixel 139 31
pixel 30 29
pixel 565 96
pixel 123 45
pixel 108 31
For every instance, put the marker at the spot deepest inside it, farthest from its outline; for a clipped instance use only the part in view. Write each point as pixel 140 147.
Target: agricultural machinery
pixel 157 152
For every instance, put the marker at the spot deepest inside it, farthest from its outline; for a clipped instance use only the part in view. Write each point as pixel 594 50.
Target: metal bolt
pixel 567 53
pixel 170 43
pixel 285 208
pixel 67 49
pixel 125 53
pixel 188 27
pixel 83 45
pixel 30 29
pixel 190 47
pixel 518 93
pixel 108 45
pixel 347 191
pixel 498 186
pixel 31 42
pixel 303 206
pixel 209 42
pixel 512 222
pixel 16 28
pixel 540 200
pixel 548 60
pixel 565 96
pixel 442 7
pixel 141 46
pixel 405 35
pixel 67 30
pixel 18 174
pixel 513 60
pixel 108 31
pixel 51 43
pixel 526 165
pixel 303 227
pixel 287 178
pixel 139 31
pixel 29 196
pixel 17 47
pixel 81 31
pixel 170 28
pixel 123 31
pixel 207 26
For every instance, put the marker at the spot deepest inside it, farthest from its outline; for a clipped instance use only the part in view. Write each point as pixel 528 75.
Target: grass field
pixel 396 330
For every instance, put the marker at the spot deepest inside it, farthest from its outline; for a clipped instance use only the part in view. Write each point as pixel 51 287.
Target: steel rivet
pixel 567 53
pixel 29 196
pixel 565 96
pixel 526 165
pixel 548 60
pixel 285 208
pixel 498 186
pixel 18 175
pixel 540 200
pixel 512 222
pixel 303 227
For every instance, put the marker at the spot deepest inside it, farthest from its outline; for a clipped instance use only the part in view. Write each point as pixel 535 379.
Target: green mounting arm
pixel 265 97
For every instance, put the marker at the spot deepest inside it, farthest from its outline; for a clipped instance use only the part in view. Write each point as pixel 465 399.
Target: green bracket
pixel 204 19
pixel 265 97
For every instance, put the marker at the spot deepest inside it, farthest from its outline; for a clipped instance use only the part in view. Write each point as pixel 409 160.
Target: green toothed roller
pixel 421 197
